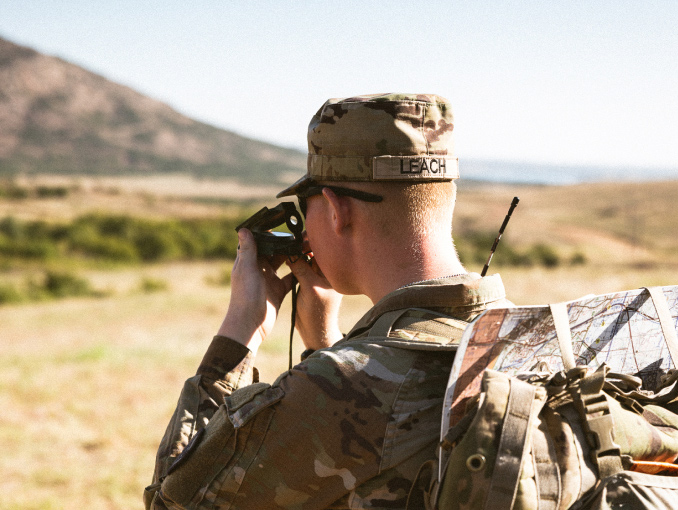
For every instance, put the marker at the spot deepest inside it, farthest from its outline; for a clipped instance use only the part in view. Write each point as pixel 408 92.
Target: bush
pixel 149 285
pixel 61 284
pixel 545 255
pixel 11 228
pixel 16 193
pixel 52 285
pixel 474 249
pixel 51 191
pixel 87 241
pixel 120 239
pixel 578 259
pixel 222 279
pixel 9 294
pixel 155 244
pixel 26 249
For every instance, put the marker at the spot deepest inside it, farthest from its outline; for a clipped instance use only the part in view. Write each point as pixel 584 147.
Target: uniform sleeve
pixel 226 366
pixel 307 441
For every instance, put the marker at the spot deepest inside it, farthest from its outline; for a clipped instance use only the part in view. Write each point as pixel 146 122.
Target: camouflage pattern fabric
pixel 347 428
pixel 380 137
pixel 561 441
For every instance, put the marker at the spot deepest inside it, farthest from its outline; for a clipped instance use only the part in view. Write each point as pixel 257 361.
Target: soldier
pixel 351 424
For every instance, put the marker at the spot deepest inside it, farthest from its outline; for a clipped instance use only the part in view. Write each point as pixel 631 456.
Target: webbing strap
pixel 513 445
pixel 452 331
pixel 597 420
pixel 398 319
pixel 382 326
pixel 561 321
pixel 666 321
pixel 546 470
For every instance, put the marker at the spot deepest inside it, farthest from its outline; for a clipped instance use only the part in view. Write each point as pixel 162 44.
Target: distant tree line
pixel 127 239
pixel 474 248
pixel 123 239
pixel 118 239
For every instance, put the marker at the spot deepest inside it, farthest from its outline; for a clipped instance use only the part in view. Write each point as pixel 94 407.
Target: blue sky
pixel 573 82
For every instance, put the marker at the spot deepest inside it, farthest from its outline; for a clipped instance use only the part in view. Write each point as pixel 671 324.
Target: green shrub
pixel 9 294
pixel 154 244
pixel 149 285
pixel 120 238
pixel 578 259
pixel 16 193
pixel 51 191
pixel 545 255
pixel 222 279
pixel 116 226
pixel 27 249
pixel 40 229
pixel 64 284
pixel 474 249
pixel 11 227
pixel 87 241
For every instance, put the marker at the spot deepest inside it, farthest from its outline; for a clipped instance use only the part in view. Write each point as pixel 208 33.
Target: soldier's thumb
pixel 247 247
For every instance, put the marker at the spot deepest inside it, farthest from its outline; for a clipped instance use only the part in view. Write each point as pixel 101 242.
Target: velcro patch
pixel 192 444
pixel 415 167
pixel 245 403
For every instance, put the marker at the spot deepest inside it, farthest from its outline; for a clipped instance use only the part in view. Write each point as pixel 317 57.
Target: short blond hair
pixel 422 209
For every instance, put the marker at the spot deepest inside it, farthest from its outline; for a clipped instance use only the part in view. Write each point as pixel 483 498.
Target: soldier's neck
pixel 395 267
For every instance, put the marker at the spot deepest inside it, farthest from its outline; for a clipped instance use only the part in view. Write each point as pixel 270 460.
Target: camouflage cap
pixel 380 137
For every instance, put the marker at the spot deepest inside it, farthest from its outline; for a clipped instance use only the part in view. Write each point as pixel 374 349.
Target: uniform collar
pixel 463 293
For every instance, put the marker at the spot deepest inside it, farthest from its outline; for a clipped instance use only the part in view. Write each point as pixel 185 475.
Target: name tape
pixel 415 167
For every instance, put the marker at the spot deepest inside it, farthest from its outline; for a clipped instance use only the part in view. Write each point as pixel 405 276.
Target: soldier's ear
pixel 340 210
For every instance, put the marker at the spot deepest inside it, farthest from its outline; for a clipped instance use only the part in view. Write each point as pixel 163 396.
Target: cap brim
pixel 297 187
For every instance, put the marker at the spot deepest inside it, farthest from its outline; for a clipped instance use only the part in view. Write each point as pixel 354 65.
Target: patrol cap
pixel 380 137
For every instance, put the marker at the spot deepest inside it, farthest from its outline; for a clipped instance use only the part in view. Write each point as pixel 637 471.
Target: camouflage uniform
pixel 347 428
pixel 350 425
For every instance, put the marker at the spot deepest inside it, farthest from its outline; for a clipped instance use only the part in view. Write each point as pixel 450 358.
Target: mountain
pixel 58 118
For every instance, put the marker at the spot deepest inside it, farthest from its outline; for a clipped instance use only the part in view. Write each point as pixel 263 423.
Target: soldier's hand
pixel 318 304
pixel 256 294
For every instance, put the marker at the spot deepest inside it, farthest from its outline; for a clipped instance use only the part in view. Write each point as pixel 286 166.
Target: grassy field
pixel 87 385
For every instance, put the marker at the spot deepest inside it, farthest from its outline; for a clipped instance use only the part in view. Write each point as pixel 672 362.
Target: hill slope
pixel 56 117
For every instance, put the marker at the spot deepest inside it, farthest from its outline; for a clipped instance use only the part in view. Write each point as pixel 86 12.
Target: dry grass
pixel 88 385
pixel 155 197
pixel 618 223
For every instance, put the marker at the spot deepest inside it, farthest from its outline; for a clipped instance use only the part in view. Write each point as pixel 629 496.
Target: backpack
pixel 573 405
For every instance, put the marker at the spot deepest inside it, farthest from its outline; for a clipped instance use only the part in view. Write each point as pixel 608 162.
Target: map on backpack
pixel 622 330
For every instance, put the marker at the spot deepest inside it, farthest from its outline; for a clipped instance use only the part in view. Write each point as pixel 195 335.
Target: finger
pixel 271 275
pixel 246 240
pixel 247 247
pixel 276 261
pixel 307 274
pixel 299 268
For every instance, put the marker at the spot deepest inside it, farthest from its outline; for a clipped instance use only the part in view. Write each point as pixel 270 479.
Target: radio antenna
pixel 514 203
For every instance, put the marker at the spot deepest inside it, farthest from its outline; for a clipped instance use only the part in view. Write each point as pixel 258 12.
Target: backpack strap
pixel 665 320
pixel 594 410
pixel 383 325
pixel 547 472
pixel 561 322
pixel 513 445
pixel 399 319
